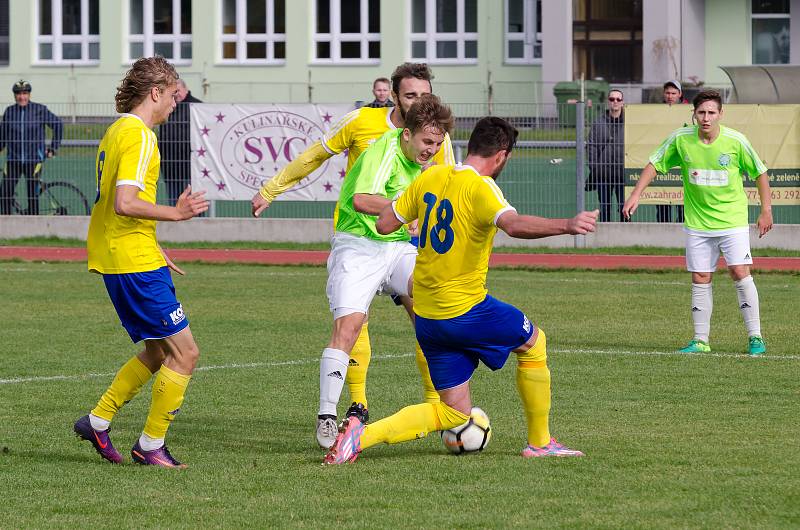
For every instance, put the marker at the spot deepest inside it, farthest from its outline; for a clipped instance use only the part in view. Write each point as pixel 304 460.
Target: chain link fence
pixel 557 153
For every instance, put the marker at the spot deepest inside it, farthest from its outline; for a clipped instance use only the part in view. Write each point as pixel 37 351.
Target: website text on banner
pixel 773 130
pixel 236 148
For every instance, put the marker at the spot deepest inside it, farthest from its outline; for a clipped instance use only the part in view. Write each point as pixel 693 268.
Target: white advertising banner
pixel 236 148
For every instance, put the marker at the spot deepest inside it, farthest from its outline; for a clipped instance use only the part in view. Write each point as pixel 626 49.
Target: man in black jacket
pixel 606 146
pixel 22 134
pixel 175 146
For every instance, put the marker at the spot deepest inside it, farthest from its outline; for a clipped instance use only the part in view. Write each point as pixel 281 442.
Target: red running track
pixel 319 257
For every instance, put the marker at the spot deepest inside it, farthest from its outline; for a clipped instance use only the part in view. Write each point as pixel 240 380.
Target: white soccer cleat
pixel 327 431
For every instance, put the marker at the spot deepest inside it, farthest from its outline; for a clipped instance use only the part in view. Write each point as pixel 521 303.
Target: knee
pixel 701 277
pixel 187 356
pixel 536 353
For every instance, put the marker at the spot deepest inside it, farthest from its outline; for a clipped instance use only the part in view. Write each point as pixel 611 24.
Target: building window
pixel 68 31
pixel 523 32
pixel 607 40
pixel 253 32
pixel 444 31
pixel 161 27
pixel 3 32
pixel 770 31
pixel 347 31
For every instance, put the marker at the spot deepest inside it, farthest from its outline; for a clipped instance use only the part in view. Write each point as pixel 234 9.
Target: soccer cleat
pixel 326 431
pixel 359 411
pixel 100 440
pixel 696 346
pixel 158 457
pixel 348 443
pixel 552 449
pixel 757 346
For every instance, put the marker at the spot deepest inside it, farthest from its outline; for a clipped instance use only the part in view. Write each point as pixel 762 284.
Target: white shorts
pixel 702 251
pixel 359 268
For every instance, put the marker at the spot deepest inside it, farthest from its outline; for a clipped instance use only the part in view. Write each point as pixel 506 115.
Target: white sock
pixel 702 305
pixel 748 305
pixel 332 371
pixel 150 444
pixel 98 423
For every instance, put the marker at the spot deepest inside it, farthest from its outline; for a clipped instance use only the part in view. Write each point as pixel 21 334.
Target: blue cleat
pixel 100 440
pixel 158 457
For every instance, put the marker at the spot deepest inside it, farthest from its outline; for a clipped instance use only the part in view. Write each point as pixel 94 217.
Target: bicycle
pixel 58 198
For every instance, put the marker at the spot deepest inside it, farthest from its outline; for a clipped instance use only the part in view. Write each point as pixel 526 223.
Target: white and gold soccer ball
pixel 471 437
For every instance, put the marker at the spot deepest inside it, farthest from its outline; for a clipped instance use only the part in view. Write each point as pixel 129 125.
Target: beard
pixel 496 172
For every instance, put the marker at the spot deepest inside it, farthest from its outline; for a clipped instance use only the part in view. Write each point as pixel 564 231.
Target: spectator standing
pixel 672 95
pixel 175 145
pixel 606 146
pixel 22 134
pixel 381 91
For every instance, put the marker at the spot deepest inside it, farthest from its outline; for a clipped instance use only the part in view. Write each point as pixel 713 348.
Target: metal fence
pixel 545 176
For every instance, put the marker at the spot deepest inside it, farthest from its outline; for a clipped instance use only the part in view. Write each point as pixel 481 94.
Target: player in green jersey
pixel 363 262
pixel 713 158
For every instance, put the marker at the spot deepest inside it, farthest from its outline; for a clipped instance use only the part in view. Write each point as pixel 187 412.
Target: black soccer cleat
pixel 359 411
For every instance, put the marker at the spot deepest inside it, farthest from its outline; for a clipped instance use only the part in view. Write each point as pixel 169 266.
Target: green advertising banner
pixel 773 130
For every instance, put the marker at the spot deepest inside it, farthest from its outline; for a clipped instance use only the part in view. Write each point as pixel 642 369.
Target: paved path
pixel 319 257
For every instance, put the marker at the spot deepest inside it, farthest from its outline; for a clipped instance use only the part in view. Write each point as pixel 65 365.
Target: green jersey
pixel 712 176
pixel 382 169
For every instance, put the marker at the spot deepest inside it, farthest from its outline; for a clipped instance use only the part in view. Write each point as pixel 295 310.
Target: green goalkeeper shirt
pixel 714 195
pixel 382 169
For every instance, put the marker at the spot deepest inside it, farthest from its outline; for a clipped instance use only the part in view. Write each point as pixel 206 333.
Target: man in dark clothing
pixel 22 134
pixel 672 95
pixel 175 146
pixel 381 91
pixel 606 146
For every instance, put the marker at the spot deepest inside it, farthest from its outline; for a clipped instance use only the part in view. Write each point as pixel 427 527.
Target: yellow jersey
pixel 117 244
pixel 360 128
pixel 456 209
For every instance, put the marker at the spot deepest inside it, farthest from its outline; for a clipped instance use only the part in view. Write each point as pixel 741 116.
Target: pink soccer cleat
pixel 348 444
pixel 552 449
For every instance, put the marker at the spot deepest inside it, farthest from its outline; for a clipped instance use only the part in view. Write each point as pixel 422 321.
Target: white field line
pixel 234 366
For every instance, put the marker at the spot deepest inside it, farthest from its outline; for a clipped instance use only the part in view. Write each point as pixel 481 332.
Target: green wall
pixel 728 39
pixel 252 83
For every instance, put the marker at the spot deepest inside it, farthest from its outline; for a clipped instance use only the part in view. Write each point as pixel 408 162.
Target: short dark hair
pixel 707 95
pixel 490 136
pixel 429 111
pixel 409 70
pixel 381 80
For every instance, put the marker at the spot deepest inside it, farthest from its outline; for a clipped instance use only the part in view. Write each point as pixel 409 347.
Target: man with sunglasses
pixel 606 154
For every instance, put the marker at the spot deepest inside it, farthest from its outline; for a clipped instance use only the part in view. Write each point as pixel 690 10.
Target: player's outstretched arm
pixel 764 222
pixel 291 174
pixel 387 221
pixel 533 227
pixel 632 202
pixel 128 203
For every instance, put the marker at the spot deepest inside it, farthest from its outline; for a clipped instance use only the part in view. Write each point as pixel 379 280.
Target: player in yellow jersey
pixel 354 133
pixel 458 324
pixel 122 247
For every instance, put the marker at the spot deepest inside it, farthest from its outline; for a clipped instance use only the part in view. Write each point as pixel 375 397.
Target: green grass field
pixel 672 441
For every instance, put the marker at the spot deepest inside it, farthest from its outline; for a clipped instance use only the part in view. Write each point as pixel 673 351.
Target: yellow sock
pixel 126 384
pixel 429 392
pixel 168 391
pixel 359 364
pixel 533 384
pixel 412 422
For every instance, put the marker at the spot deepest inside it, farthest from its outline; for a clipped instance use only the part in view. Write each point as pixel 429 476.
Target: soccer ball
pixel 471 437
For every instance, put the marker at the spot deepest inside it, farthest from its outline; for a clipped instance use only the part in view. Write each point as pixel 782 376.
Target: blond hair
pixel 145 74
